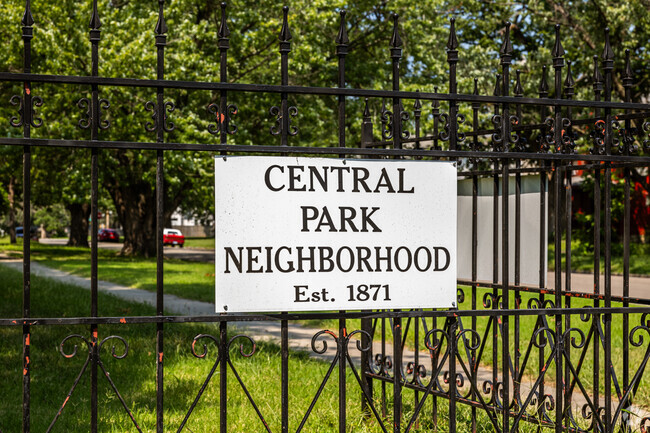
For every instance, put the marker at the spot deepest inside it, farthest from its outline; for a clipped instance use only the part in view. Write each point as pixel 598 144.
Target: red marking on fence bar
pixel 160 356
pixel 122 320
pixel 27 340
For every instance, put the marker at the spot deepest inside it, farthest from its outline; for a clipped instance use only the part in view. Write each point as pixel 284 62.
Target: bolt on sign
pixel 309 234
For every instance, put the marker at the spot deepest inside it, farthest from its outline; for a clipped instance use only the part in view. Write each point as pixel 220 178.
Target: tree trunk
pixel 79 213
pixel 136 209
pixel 11 197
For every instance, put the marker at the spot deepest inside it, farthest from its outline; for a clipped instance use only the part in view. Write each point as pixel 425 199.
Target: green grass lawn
pixel 185 279
pixel 582 257
pixel 203 243
pixel 52 375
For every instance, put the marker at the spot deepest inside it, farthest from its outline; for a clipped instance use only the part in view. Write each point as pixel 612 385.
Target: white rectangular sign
pixel 530 232
pixel 309 234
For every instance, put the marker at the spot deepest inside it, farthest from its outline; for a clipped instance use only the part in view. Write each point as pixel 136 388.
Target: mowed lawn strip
pixel 190 280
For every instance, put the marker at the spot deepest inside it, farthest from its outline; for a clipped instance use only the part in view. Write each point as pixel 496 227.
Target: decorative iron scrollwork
pixel 628 145
pixel 513 138
pixel 646 129
pixel 445 134
pixel 86 120
pixel 89 345
pixel 386 118
pixel 153 126
pixel 497 135
pixel 19 120
pixel 547 137
pixel 404 117
pixel 223 121
pixel 276 112
pixel 598 138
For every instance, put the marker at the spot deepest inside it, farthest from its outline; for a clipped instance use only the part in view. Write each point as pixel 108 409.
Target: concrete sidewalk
pixel 300 337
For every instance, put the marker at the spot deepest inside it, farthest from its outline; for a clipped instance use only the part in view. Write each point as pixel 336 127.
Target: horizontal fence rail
pixel 511 356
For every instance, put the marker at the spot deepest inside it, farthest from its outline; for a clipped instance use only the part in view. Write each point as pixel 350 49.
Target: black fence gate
pixel 514 356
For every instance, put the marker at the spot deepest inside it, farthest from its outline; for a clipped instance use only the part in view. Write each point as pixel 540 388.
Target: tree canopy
pixel 127 49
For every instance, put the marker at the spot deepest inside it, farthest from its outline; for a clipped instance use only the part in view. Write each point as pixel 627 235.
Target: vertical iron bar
pixel 223 377
pixel 475 147
pixel 452 59
pixel 598 88
pixel 608 66
pixel 366 341
pixel 396 55
pixel 506 57
pixel 27 23
pixel 495 256
pixel 384 367
pixel 342 50
pixel 397 374
pixel 342 42
pixel 627 142
pixel 342 382
pixel 453 323
pixel 518 91
pixel 161 38
pixel 224 44
pixel 558 64
pixel 568 148
pixel 285 48
pixel 95 24
pixel 543 237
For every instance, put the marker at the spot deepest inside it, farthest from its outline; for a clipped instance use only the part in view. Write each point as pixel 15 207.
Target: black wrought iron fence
pixel 514 353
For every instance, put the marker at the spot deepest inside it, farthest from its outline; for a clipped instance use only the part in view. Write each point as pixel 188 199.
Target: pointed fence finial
pixel 417 105
pixel 475 105
pixel 608 53
pixel 497 86
pixel 224 31
pixel 558 51
pixel 95 23
pixel 366 110
pixel 452 42
pixel 506 48
pixel 628 81
pixel 342 37
pixel 285 33
pixel 28 20
pixel 597 77
pixel 395 40
pixel 569 82
pixel 435 104
pixel 543 84
pixel 161 25
pixel 519 90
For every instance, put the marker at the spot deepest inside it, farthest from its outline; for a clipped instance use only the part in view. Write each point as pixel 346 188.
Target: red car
pixel 173 237
pixel 108 235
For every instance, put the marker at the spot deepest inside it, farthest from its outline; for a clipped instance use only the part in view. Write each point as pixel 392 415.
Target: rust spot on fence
pixel 27 339
pixel 160 357
pixel 122 320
